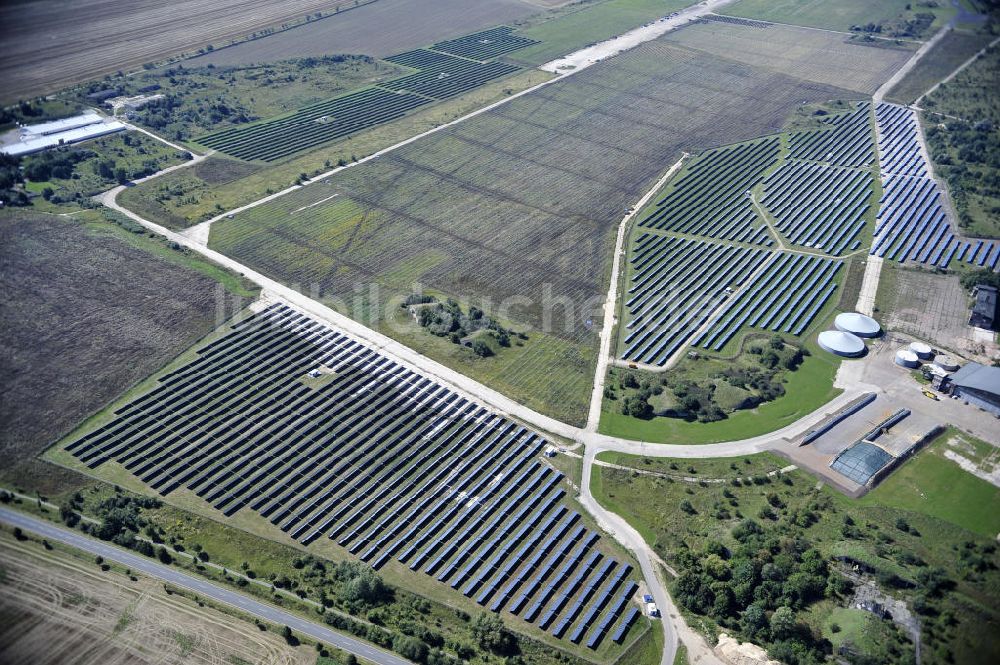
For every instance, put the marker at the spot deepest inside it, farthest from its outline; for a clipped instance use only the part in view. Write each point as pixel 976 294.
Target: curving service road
pixel 200 586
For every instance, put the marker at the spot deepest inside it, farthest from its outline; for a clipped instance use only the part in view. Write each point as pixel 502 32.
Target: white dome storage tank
pixel 922 350
pixel 841 343
pixel 907 358
pixel 947 363
pixel 857 324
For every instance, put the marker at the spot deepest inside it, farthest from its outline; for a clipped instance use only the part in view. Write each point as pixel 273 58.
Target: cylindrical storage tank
pixel 922 350
pixel 857 324
pixel 947 363
pixel 907 358
pixel 841 343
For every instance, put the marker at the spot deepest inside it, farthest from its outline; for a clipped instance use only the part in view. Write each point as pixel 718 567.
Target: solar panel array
pixel 913 224
pixel 685 287
pixel 819 207
pixel 450 69
pixel 485 44
pixel 848 142
pixel 711 198
pixel 676 285
pixel 384 461
pixel 785 298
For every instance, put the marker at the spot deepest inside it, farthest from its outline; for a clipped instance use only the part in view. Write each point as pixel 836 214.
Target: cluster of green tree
pixel 913 25
pixel 758 577
pixel 34 111
pixel 206 97
pixel 10 177
pixel 69 163
pixel 446 319
pixel 984 276
pixel 757 588
pixel 58 163
pixel 695 400
pixel 968 156
pixel 635 404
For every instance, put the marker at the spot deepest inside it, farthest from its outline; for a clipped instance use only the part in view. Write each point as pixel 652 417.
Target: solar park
pixel 913 224
pixel 445 70
pixel 326 438
pixel 704 263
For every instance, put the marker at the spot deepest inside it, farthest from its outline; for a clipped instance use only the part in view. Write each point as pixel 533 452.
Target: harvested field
pixel 518 204
pixel 49 45
pixel 379 29
pixel 89 310
pixel 812 55
pixel 57 609
pixel 946 56
pixel 839 15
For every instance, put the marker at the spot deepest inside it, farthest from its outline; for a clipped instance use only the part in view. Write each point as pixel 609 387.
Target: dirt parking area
pixel 55 609
pixel 935 308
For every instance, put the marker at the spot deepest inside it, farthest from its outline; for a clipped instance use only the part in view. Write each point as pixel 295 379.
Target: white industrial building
pixel 35 138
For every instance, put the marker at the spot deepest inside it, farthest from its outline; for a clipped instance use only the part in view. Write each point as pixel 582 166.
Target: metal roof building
pixel 978 385
pixel 35 138
pixel 984 311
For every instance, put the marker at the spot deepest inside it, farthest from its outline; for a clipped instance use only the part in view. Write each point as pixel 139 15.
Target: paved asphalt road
pixel 201 587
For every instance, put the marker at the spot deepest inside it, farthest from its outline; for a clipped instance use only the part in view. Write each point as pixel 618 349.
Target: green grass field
pixel 806 389
pixel 936 486
pixel 839 15
pixel 955 116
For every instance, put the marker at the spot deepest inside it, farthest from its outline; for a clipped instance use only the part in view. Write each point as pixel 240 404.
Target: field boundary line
pixel 611 300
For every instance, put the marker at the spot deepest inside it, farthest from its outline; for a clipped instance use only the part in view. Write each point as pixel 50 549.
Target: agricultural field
pixel 961 118
pixel 712 515
pixel 315 445
pixel 944 58
pixel 822 57
pixel 446 70
pixel 516 207
pixel 886 18
pixel 88 40
pixel 377 29
pixel 914 222
pixel 58 608
pixel 136 302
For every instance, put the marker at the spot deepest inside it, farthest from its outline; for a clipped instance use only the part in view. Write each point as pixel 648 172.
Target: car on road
pixel 930 395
